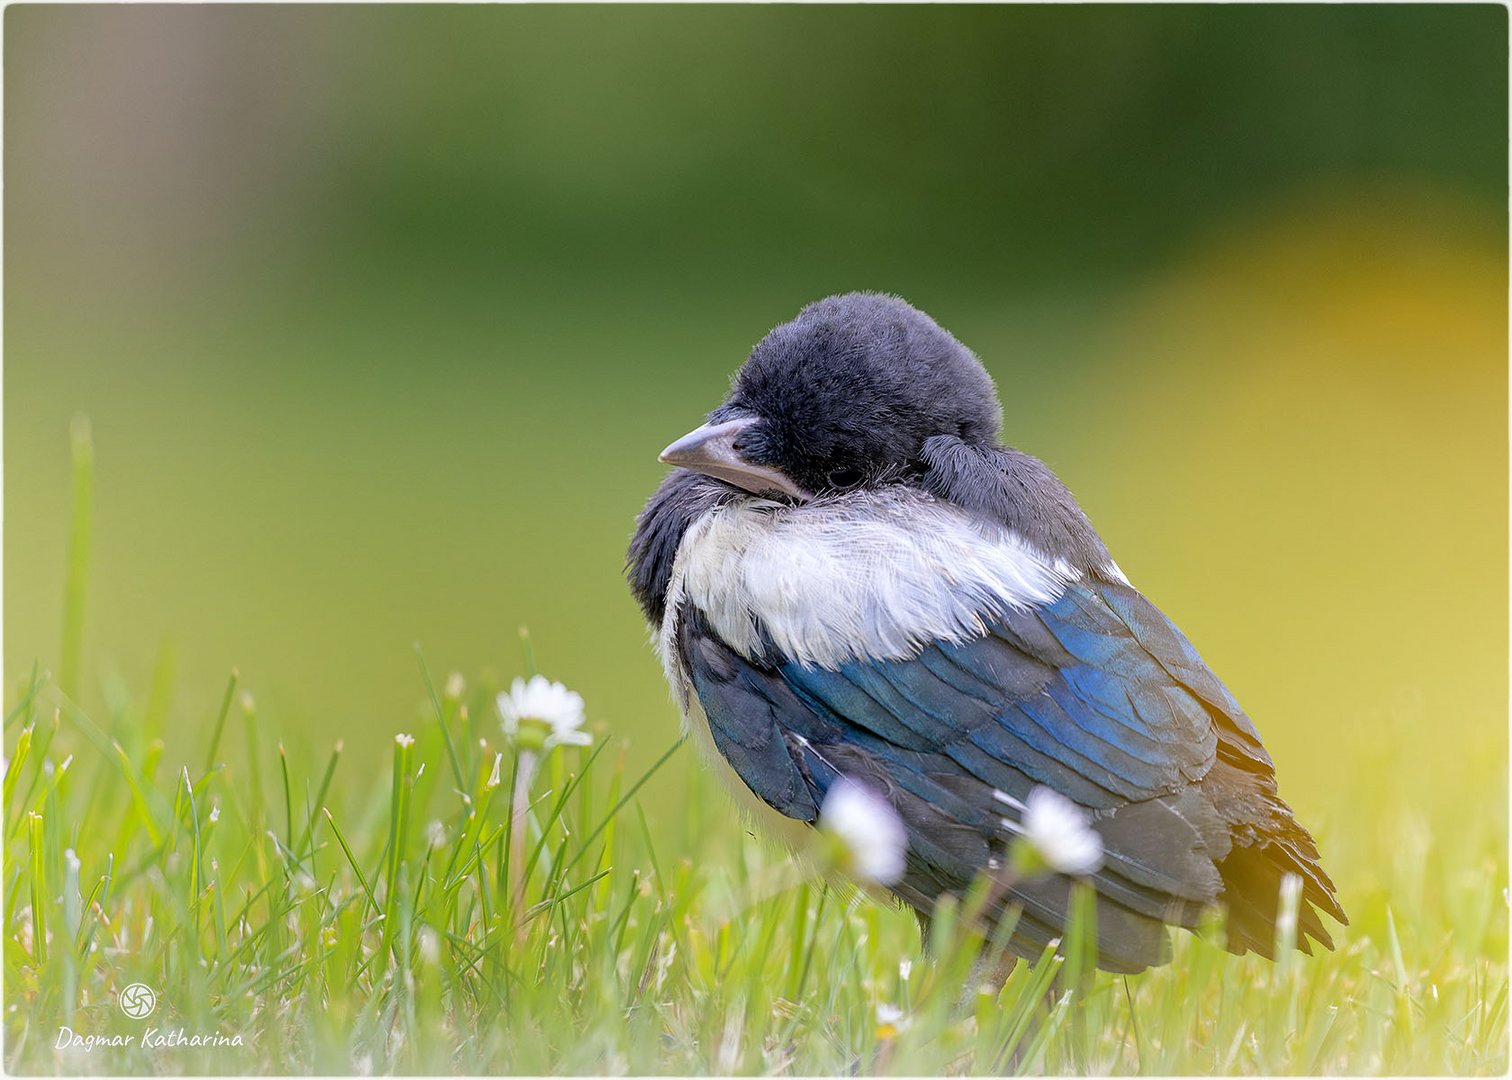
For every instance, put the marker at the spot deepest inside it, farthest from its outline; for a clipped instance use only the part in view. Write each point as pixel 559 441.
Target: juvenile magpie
pixel 848 575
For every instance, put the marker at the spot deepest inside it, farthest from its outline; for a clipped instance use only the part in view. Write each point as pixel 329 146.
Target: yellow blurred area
pixel 1310 422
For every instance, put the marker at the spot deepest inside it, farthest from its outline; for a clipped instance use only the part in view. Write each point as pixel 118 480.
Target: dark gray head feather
pixel 864 390
pixel 855 385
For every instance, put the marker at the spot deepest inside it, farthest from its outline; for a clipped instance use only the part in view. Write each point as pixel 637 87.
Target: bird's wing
pixel 1268 839
pixel 1096 696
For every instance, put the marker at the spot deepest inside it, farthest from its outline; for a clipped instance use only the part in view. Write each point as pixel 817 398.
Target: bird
pixel 849 578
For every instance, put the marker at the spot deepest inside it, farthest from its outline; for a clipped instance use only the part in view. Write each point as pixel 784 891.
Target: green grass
pixel 322 920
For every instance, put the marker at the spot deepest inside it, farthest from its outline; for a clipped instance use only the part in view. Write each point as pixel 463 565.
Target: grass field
pixel 292 916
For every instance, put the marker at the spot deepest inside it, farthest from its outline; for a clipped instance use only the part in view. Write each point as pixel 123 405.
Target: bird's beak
pixel 711 450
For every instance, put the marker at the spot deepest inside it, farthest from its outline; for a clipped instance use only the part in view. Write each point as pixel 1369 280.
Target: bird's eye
pixel 845 477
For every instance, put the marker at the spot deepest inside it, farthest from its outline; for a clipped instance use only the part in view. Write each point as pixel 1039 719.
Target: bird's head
pixel 843 397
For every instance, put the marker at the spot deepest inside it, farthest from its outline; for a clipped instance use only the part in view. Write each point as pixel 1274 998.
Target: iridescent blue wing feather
pixel 1096 695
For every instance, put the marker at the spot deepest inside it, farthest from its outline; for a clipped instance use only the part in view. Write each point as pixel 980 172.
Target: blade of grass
pixel 320 797
pixel 33 684
pixel 352 861
pixel 220 721
pixel 81 445
pixel 587 844
pixel 283 766
pixel 38 888
pixel 451 750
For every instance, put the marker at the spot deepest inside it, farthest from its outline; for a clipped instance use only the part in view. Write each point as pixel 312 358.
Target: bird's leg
pixel 1071 988
pixel 1001 968
pixel 992 967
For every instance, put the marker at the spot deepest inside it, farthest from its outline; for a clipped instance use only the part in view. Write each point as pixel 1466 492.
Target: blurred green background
pixel 381 316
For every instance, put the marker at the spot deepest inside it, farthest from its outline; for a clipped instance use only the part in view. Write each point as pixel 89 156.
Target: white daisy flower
pixel 869 834
pixel 890 1021
pixel 430 946
pixel 540 714
pixel 1057 832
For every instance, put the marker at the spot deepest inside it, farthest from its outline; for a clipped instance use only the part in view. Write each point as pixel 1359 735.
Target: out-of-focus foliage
pixel 381 315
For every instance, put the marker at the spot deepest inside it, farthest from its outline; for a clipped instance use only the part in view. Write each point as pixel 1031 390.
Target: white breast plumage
pixel 874 574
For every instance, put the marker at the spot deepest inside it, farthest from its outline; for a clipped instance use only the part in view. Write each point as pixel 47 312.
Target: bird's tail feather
pixel 1252 877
